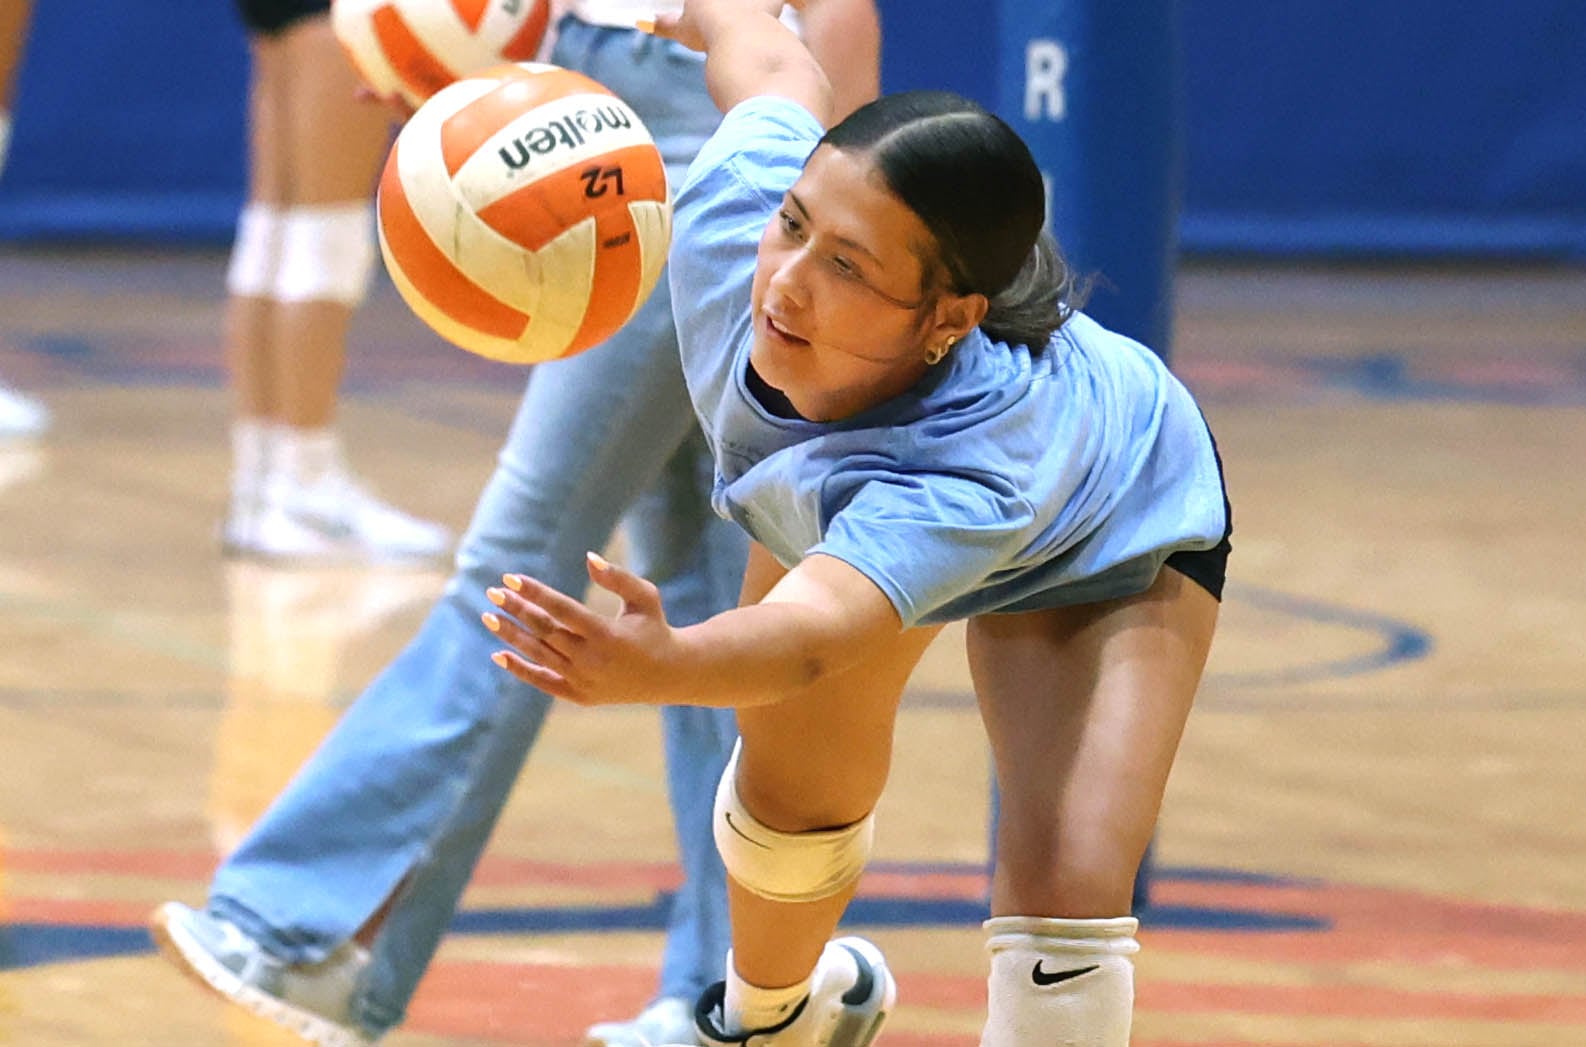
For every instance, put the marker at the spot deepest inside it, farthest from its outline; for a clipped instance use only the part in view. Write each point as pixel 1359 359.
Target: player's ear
pixel 956 315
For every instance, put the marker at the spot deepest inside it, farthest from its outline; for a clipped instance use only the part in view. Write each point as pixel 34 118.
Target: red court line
pixel 492 872
pixel 557 1002
pixel 1378 924
pixel 1356 1001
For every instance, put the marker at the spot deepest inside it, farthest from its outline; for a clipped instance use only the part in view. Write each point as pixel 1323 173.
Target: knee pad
pixel 786 867
pixel 255 252
pixel 326 255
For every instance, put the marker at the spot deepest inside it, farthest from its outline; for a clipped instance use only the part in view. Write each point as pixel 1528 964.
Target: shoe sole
pixel 860 1024
pixel 187 956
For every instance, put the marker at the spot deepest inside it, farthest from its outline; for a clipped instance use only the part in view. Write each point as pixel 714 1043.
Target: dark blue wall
pixel 1311 126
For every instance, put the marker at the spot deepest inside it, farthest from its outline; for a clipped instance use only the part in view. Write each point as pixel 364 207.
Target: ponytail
pixel 1039 299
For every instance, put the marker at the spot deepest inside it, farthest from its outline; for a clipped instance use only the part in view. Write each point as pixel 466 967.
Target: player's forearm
pixel 748 53
pixel 766 653
pixel 845 38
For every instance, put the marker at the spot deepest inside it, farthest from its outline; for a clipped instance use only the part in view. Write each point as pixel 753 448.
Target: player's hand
pixel 570 652
pixel 396 103
pixel 689 27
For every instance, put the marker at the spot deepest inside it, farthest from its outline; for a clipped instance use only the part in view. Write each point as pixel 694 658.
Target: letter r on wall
pixel 1045 63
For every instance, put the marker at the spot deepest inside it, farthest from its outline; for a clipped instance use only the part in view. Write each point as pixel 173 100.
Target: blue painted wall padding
pixel 1311 127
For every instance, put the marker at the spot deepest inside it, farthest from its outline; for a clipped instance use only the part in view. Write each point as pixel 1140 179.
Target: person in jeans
pixel 327 914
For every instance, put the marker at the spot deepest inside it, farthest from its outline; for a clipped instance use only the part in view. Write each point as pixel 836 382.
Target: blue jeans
pixel 400 798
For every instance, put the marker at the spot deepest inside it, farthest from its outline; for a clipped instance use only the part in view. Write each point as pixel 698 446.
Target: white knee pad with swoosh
pixel 786 867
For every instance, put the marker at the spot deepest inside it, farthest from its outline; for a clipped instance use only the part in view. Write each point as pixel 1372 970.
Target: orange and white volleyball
pixel 413 48
pixel 523 213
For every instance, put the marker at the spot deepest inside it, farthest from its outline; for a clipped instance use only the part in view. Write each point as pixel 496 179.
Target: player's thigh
pixel 1084 707
pixel 268 92
pixel 334 142
pixel 819 758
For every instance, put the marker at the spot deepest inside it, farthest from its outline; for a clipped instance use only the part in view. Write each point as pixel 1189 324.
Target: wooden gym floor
pixel 1374 836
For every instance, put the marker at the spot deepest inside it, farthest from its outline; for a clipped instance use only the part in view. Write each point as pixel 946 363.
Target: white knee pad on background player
pixel 780 866
pixel 327 254
pixel 322 253
pixel 255 252
pixel 1068 982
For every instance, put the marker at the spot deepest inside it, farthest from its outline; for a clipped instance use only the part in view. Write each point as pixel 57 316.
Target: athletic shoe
pixel 668 1020
pixel 851 994
pixel 311 1000
pixel 334 519
pixel 21 416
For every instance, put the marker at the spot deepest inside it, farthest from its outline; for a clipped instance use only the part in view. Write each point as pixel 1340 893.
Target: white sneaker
pixel 333 519
pixel 20 415
pixel 311 1000
pixel 669 1020
pixel 851 994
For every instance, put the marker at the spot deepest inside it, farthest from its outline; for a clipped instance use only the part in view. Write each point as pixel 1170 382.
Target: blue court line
pixel 1399 641
pixel 1396 642
pixel 1387 376
pixel 24 945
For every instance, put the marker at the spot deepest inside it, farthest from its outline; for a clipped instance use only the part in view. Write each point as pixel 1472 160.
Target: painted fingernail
pixel 599 561
pixel 496 596
pixel 645 25
pixel 513 582
pixel 500 659
pixel 492 622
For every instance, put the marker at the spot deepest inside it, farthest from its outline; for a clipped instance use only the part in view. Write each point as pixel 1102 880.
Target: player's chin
pixel 776 367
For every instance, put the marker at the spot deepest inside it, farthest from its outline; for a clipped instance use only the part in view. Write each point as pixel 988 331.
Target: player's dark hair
pixel 972 180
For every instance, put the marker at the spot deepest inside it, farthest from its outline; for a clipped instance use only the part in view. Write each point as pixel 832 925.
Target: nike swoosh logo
pixel 1043 977
pixel 728 815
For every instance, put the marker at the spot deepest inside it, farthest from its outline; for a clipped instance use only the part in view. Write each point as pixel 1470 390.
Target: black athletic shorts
pixel 271 16
pixel 1208 568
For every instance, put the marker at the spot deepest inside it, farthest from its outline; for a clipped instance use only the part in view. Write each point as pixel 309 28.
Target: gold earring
pixel 935 355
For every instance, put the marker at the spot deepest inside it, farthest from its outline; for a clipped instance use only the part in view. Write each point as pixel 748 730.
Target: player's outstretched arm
pixel 822 617
pixel 748 53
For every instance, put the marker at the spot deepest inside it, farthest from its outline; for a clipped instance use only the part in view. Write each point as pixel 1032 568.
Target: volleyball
pixel 413 48
pixel 523 213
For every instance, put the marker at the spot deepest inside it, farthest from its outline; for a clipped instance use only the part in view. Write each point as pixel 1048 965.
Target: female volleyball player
pixel 915 425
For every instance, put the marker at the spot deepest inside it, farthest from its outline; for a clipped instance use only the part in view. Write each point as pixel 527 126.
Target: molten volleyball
pixel 523 213
pixel 413 48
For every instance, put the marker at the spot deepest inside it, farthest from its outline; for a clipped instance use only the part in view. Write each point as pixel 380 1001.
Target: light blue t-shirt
pixel 1005 480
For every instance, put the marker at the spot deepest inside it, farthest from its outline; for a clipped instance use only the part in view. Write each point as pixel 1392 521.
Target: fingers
pixel 553 684
pixel 566 612
pixel 673 26
pixel 547 651
pixel 535 623
pixel 398 105
pixel 636 593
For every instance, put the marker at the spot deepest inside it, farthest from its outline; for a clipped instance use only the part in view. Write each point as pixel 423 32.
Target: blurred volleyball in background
pixel 413 48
